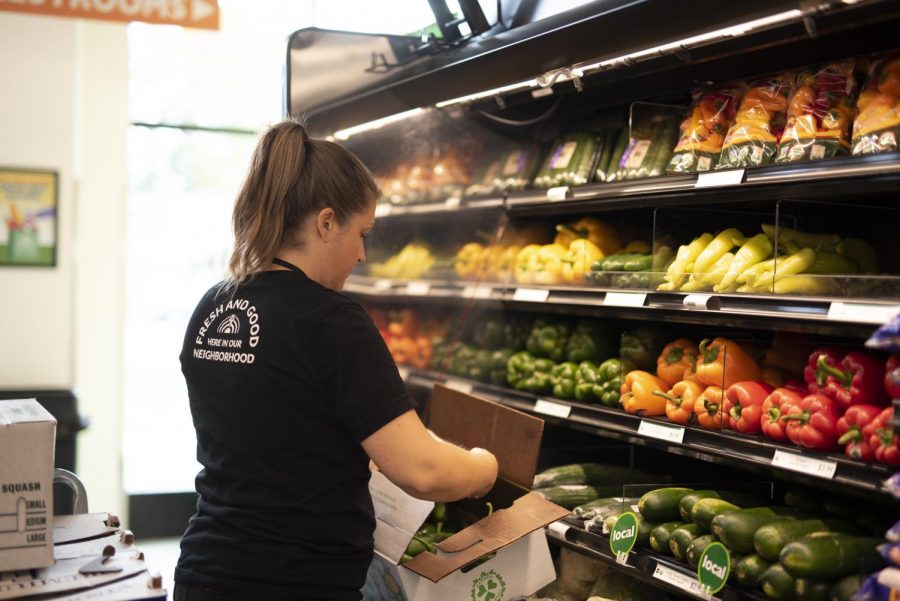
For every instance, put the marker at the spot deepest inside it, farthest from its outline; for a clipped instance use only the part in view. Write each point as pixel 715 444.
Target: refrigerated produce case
pixel 525 197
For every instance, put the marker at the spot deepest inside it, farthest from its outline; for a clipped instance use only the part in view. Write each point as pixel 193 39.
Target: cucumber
pixel 770 539
pixel 594 474
pixel 777 584
pixel 681 538
pixel 696 548
pixel 687 502
pixel 748 571
pixel 659 537
pixel 571 496
pixel 736 528
pixel 604 506
pixel 704 510
pixel 845 588
pixel 824 555
pixel 811 590
pixel 661 505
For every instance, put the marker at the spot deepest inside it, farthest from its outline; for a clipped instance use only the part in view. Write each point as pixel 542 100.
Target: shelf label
pixel 453 201
pixel 700 301
pixel 625 299
pixel 383 210
pixel 679 580
pixel 821 468
pixel 623 536
pixel 551 408
pixel 382 284
pixel 477 292
pixel 714 179
pixel 459 385
pixel 559 193
pixel 661 431
pixel 558 529
pixel 877 314
pixel 531 295
pixel 418 288
pixel 403 371
pixel 712 572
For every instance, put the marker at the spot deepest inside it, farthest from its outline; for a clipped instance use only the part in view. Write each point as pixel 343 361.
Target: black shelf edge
pixel 642 564
pixel 385 210
pixel 744 450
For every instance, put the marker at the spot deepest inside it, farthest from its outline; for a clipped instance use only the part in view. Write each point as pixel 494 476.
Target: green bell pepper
pixel 564 380
pixel 519 367
pixel 609 382
pixel 516 331
pixel 541 379
pixel 489 333
pixel 548 339
pixel 591 341
pixel 499 362
pixel 639 348
pixel 479 367
pixel 585 379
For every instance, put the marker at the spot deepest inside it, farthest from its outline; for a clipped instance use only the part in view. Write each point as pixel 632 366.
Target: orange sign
pixel 203 14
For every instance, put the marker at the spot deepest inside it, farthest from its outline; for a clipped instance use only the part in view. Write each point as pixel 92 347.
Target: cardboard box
pixel 27 438
pixel 514 531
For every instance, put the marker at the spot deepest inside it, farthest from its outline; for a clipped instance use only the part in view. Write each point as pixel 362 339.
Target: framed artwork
pixel 28 220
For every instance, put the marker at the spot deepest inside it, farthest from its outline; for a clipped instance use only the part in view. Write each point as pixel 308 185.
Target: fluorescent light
pixel 522 85
pixel 344 134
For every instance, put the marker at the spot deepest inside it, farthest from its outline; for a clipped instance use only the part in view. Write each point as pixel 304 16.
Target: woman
pixel 293 392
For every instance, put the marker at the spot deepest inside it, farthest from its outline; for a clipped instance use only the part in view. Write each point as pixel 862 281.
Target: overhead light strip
pixel 344 134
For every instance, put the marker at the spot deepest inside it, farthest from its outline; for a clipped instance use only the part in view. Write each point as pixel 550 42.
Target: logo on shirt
pixel 229 320
pixel 230 325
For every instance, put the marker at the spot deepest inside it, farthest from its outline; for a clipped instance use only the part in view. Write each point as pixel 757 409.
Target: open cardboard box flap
pixel 515 439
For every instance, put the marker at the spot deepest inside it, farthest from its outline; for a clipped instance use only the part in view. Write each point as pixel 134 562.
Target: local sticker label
pixel 715 563
pixel 623 534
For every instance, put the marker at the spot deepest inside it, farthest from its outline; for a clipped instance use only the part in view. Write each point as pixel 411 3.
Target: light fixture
pixel 344 134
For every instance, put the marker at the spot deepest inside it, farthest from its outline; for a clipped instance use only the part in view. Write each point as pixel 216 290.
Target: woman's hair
pixel 292 176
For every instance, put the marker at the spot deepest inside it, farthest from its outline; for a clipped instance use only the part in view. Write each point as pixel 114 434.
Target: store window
pixel 197 101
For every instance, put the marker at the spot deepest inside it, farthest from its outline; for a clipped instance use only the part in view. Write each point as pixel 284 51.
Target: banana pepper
pixel 721 244
pixel 723 362
pixel 676 274
pixel 755 250
pixel 677 361
pixel 638 394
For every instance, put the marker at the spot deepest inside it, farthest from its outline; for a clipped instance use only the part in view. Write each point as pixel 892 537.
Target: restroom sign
pixel 202 14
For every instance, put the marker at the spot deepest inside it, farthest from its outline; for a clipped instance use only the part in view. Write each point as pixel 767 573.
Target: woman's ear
pixel 326 224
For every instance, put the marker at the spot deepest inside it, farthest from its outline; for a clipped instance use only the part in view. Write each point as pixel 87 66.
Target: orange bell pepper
pixel 639 394
pixel 680 401
pixel 710 408
pixel 723 362
pixel 675 358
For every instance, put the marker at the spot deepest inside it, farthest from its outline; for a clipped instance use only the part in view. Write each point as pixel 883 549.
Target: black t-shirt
pixel 285 379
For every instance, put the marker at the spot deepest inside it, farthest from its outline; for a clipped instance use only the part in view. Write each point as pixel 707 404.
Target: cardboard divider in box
pixel 509 545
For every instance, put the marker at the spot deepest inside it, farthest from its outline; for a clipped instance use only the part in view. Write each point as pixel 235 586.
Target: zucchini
pixel 571 496
pixel 736 528
pixel 777 584
pixel 659 537
pixel 704 510
pixel 845 588
pixel 824 555
pixel 696 548
pixel 661 505
pixel 594 474
pixel 811 590
pixel 681 538
pixel 688 500
pixel 771 538
pixel 748 571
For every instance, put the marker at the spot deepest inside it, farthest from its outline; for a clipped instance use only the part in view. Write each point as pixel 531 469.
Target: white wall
pixel 64 107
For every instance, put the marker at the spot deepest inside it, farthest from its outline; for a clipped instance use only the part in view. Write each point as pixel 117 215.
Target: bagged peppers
pixel 702 133
pixel 758 125
pixel 877 126
pixel 820 113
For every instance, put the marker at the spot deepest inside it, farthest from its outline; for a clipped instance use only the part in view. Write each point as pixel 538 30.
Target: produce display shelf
pixel 836 316
pixel 655 569
pixel 451 205
pixel 726 446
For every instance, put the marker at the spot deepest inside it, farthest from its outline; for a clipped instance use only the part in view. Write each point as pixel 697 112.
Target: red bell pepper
pixel 815 377
pixel 851 429
pixel 859 380
pixel 812 423
pixel 773 407
pixel 884 441
pixel 892 377
pixel 743 405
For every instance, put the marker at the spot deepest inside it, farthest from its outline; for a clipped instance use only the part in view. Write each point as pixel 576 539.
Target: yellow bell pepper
pixel 470 261
pixel 547 264
pixel 599 232
pixel 524 268
pixel 502 270
pixel 578 260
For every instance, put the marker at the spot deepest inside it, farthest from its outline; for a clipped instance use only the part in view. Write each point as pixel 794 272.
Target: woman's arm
pixel 426 466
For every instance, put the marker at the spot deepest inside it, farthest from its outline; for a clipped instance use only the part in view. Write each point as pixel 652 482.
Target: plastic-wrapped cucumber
pixel 612 169
pixel 652 135
pixel 608 143
pixel 569 163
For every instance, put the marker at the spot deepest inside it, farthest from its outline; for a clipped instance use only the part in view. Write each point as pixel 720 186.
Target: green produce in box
pixel 499 362
pixel 688 500
pixel 608 138
pixel 777 584
pixel 681 538
pixel 529 374
pixel 564 380
pixel 569 163
pixel 516 331
pixel 661 505
pixel 585 378
pixel 590 341
pixel 705 510
pixel 770 539
pixel 489 333
pixel 548 339
pixel 659 537
pixel 608 387
pixel 639 348
pixel 737 528
pixel 480 367
pixel 824 555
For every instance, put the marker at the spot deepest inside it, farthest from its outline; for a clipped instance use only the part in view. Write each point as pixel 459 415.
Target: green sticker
pixel 715 563
pixel 624 534
pixel 489 586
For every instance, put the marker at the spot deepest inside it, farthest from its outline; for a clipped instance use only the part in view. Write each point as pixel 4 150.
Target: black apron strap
pixel 284 263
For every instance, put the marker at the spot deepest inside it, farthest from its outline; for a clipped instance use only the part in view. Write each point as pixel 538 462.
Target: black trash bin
pixel 63 405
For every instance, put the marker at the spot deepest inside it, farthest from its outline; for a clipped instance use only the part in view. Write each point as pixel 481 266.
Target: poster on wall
pixel 28 199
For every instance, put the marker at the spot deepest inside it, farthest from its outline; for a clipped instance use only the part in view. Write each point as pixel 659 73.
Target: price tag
pixel 714 179
pixel 477 292
pixel 383 210
pixel 459 385
pixel 877 314
pixel 453 201
pixel 821 468
pixel 679 580
pixel 418 288
pixel 382 284
pixel 404 372
pixel 531 295
pixel 551 408
pixel 558 529
pixel 661 432
pixel 700 301
pixel 559 193
pixel 624 299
